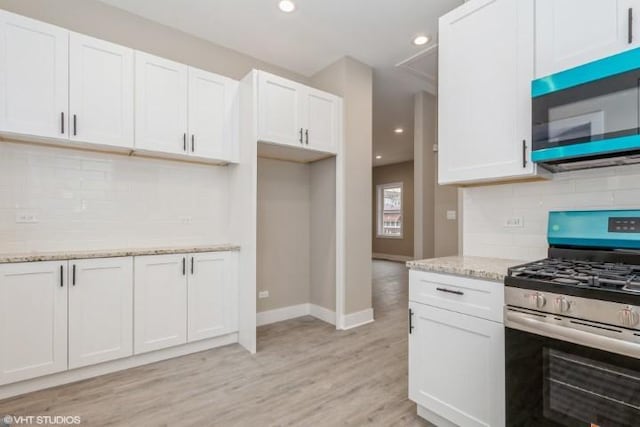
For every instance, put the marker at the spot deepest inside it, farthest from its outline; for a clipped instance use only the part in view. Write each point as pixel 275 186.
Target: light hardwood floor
pixel 305 374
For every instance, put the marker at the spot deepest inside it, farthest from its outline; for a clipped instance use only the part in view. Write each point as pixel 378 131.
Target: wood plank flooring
pixel 305 374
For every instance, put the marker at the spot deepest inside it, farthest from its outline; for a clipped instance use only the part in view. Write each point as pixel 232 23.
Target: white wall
pixel 89 200
pixel 486 208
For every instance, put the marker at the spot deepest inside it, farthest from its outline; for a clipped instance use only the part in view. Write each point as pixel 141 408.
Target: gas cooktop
pixel 590 274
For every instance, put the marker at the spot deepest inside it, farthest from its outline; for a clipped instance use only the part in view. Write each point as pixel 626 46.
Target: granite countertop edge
pixel 112 253
pixel 492 269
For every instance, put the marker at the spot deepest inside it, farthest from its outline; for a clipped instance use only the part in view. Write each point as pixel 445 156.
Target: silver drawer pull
pixel 449 291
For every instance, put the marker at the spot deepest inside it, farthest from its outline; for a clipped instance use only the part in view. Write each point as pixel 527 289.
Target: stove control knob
pixel 629 317
pixel 563 305
pixel 537 300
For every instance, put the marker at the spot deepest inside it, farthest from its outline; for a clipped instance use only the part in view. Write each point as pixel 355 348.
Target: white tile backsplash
pixel 88 200
pixel 486 208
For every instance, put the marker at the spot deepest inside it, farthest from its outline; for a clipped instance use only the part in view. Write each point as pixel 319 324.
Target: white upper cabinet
pixel 100 310
pixel 293 114
pixel 323 114
pixel 573 32
pixel 34 77
pixel 161 104
pixel 484 95
pixel 213 295
pixel 213 115
pixel 101 92
pixel 279 109
pixel 160 302
pixel 33 326
pixel 67 86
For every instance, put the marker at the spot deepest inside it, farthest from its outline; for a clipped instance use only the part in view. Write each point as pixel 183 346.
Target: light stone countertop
pixel 494 269
pixel 112 253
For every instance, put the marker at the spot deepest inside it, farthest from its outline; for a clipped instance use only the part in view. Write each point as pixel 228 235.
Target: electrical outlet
pixel 452 215
pixel 26 217
pixel 186 219
pixel 514 222
pixel 263 294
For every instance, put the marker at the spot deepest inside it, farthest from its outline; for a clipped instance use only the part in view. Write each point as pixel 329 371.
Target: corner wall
pixel 435 234
pixel 353 81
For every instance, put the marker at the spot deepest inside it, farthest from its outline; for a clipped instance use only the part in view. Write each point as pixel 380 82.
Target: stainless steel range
pixel 573 325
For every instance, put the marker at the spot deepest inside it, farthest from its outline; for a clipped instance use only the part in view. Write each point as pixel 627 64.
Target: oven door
pixel 552 382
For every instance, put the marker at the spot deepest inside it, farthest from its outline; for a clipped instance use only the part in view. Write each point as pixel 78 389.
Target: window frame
pixel 380 210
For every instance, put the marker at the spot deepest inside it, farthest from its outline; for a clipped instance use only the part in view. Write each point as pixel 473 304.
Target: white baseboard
pixel 293 311
pixel 358 318
pixel 280 314
pixel 322 313
pixel 390 257
pixel 79 374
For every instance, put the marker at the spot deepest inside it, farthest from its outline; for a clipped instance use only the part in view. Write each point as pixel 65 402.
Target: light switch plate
pixel 263 294
pixel 452 215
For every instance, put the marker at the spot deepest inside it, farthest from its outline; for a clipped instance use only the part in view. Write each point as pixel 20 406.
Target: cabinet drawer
pixel 479 298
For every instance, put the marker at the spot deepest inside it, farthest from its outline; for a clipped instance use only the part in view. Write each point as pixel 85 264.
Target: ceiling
pixel 319 32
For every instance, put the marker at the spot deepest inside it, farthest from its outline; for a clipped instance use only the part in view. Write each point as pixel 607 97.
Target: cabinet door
pixel 322 120
pixel 484 93
pixel 279 108
pixel 100 310
pixel 160 302
pixel 161 104
pixel 456 366
pixel 574 32
pixel 34 77
pixel 33 320
pixel 101 92
pixel 213 295
pixel 212 115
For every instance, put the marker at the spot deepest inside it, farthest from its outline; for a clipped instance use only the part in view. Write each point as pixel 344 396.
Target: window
pixel 390 210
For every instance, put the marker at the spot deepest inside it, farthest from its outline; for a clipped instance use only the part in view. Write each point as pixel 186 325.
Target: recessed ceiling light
pixel 398 130
pixel 378 157
pixel 287 6
pixel 421 40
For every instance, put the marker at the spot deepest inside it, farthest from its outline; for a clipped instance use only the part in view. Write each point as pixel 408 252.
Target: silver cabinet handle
pixel 193 143
pixel 75 125
pixel 524 153
pixel 62 123
pixel 301 136
pixel 306 132
pixel 184 142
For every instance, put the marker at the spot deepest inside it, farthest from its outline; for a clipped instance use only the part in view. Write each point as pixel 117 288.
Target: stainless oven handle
pixel 525 322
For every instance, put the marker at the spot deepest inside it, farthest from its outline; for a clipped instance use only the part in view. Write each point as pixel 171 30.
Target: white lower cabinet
pixel 456 366
pixel 33 320
pixel 160 297
pixel 212 295
pixel 100 310
pixel 62 315
pixel 185 297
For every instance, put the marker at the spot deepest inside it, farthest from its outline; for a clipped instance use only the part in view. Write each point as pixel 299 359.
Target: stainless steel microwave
pixel 588 116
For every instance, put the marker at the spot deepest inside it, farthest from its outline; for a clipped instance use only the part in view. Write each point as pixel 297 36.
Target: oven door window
pixel 603 109
pixel 589 391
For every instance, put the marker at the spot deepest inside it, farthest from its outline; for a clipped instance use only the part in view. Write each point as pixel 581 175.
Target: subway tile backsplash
pixel 486 209
pixel 88 200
